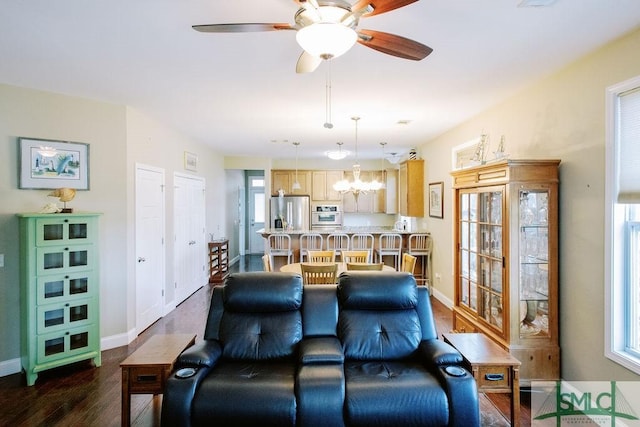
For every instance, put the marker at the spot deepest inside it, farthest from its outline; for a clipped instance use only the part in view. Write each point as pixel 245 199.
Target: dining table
pixel 342 267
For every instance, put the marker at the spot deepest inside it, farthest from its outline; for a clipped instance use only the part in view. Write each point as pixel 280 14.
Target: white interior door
pixel 150 249
pixel 257 208
pixel 190 253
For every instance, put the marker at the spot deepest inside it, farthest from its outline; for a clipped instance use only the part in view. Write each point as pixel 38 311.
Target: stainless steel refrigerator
pixel 292 212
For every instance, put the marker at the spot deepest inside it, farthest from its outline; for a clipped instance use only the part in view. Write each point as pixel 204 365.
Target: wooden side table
pixel 146 370
pixel 494 368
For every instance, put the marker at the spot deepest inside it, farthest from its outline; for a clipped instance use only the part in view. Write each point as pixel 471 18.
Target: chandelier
pixel 357 186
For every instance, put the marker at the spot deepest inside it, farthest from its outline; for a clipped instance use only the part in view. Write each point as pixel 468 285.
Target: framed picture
pixel 46 164
pixel 462 156
pixel 435 199
pixel 190 161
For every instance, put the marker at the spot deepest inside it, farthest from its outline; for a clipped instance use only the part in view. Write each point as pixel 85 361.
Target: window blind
pixel 628 168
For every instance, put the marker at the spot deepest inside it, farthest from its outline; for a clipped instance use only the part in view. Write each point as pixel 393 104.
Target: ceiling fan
pixel 327 29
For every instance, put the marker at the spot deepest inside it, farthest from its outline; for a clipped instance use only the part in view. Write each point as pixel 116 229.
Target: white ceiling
pixel 240 92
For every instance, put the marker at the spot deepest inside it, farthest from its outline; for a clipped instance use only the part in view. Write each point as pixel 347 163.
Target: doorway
pixel 149 245
pixel 190 251
pixel 256 204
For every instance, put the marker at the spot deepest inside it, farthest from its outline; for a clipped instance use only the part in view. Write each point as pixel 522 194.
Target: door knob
pixel 141 259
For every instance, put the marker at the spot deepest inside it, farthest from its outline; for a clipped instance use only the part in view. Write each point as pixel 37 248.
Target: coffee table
pixel 494 369
pixel 146 370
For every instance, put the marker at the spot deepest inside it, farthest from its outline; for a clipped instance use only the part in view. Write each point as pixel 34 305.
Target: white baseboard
pixel 113 341
pixel 442 298
pixel 10 367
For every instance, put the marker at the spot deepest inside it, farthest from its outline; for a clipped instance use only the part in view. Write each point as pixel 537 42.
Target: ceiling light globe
pixel 337 155
pixel 326 39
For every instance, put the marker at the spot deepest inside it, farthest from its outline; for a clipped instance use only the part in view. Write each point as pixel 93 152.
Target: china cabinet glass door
pixel 534 262
pixel 481 254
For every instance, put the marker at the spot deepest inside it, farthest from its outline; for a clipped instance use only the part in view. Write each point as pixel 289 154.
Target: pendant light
pixel 356 186
pixel 338 154
pixel 296 184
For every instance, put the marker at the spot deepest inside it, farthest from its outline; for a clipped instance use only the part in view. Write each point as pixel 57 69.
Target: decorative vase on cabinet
pixel 506 262
pixel 59 291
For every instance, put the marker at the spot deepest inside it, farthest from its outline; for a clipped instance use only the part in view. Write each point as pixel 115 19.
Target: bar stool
pixel 338 242
pixel 363 241
pixel 280 245
pixel 390 244
pixel 420 245
pixel 310 242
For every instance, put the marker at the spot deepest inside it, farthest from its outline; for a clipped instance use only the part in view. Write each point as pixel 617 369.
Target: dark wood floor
pixel 81 395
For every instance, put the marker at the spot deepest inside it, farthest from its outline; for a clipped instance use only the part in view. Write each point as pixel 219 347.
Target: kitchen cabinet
pixel 364 202
pixel 506 260
pixel 322 186
pixel 284 179
pixel 59 291
pixel 391 191
pixel 411 188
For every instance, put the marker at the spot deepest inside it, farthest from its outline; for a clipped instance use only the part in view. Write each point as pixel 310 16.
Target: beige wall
pixel 36 114
pixel 119 137
pixel 562 116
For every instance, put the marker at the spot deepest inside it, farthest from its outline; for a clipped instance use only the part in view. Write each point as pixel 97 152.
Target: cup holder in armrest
pixel 455 371
pixel 186 372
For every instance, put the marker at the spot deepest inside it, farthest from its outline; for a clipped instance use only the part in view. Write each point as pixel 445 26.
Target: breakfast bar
pixel 350 231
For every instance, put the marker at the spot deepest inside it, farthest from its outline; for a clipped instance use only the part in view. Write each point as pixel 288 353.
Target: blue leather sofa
pixel 362 353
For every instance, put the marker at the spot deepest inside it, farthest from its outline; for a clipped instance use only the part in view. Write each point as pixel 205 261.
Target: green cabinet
pixel 59 291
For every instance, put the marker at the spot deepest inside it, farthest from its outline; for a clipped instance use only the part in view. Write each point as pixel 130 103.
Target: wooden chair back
pixel 319 274
pixel 364 266
pixel 322 256
pixel 408 263
pixel 355 256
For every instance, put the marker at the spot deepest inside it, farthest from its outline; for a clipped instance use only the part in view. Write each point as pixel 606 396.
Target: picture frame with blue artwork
pixel 46 164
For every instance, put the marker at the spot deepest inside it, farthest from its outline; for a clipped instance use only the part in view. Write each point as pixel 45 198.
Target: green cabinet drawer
pixel 66 344
pixel 64 230
pixel 66 259
pixel 65 315
pixel 54 288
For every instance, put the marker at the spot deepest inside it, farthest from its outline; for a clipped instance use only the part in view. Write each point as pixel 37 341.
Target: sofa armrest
pixel 204 353
pixel 178 395
pixel 321 350
pixel 439 353
pixel 462 394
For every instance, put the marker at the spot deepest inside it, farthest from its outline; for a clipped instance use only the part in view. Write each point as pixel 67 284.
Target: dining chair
pixel 310 242
pixel 280 245
pixel 363 241
pixel 408 263
pixel 338 242
pixel 266 262
pixel 390 244
pixel 420 245
pixel 318 274
pixel 321 256
pixel 355 256
pixel 364 266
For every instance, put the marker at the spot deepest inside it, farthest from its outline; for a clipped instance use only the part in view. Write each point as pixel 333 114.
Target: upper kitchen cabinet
pixel 370 202
pixel 411 188
pixel 391 191
pixel 322 186
pixel 284 179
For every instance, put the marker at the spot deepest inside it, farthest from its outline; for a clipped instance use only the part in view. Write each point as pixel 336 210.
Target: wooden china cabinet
pixel 506 260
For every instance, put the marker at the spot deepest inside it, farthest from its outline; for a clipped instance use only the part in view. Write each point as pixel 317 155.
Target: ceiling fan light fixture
pixel 326 39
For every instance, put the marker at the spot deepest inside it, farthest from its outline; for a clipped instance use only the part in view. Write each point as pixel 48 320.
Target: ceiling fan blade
pixel 394 45
pixel 307 63
pixel 381 6
pixel 242 28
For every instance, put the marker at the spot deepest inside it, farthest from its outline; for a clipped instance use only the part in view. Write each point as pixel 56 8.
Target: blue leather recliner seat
pixel 362 353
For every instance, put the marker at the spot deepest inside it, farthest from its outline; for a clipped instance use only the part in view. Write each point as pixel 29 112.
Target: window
pixel 622 219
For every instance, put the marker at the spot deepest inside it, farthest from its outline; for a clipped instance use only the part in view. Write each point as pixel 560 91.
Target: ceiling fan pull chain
pixel 327 123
